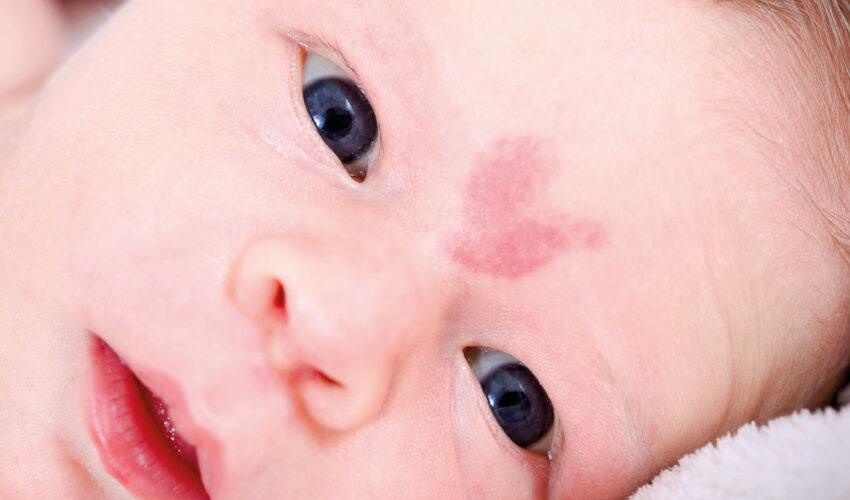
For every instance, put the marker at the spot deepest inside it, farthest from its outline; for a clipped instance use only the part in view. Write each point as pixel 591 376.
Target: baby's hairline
pixel 813 91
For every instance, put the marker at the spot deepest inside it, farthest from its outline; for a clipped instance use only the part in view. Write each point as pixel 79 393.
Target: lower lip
pixel 134 446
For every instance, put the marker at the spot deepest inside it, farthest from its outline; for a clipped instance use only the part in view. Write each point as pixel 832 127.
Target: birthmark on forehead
pixel 508 231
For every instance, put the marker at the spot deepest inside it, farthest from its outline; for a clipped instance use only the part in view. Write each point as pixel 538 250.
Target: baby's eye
pixel 342 114
pixel 517 400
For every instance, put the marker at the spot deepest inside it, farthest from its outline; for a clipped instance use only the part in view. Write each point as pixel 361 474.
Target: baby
pixel 398 249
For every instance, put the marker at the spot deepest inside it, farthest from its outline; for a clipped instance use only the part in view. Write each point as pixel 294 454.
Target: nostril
pixel 327 380
pixel 310 374
pixel 280 298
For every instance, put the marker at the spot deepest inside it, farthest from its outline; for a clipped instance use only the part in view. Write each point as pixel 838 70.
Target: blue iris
pixel 342 115
pixel 519 403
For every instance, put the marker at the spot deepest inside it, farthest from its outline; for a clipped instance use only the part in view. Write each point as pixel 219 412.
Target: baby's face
pixel 573 184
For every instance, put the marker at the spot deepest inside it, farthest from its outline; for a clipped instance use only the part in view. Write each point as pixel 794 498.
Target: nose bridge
pixel 338 315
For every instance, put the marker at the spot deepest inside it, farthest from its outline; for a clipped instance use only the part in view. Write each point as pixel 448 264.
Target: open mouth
pixel 135 436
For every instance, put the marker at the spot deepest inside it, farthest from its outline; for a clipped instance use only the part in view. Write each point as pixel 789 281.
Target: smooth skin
pixel 168 178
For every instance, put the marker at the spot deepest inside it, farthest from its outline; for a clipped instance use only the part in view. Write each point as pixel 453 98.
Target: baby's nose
pixel 338 318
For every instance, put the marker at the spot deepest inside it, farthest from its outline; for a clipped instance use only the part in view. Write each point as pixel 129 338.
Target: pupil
pixel 511 399
pixel 336 123
pixel 513 407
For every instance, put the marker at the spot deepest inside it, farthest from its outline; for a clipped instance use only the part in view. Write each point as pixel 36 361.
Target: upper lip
pixel 128 437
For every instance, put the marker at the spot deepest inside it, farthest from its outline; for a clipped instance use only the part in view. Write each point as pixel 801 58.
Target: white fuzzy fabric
pixel 805 455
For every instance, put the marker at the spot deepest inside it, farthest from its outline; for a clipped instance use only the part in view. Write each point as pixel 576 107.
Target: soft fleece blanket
pixel 805 455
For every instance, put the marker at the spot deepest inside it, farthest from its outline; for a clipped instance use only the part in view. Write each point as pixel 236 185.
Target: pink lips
pixel 134 436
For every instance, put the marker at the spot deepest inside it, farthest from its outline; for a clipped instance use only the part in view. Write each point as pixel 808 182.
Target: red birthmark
pixel 505 232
